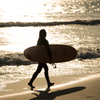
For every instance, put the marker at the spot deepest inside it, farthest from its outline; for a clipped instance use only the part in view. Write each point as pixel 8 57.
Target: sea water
pixel 70 22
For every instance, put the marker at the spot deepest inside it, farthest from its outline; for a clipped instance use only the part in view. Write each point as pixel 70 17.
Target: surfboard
pixel 60 53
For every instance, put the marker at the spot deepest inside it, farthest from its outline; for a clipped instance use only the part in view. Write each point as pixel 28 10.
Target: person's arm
pixel 49 51
pixel 38 42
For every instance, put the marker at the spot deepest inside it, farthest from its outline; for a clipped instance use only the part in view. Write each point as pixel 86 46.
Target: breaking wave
pixel 24 24
pixel 88 53
pixel 19 59
pixel 14 59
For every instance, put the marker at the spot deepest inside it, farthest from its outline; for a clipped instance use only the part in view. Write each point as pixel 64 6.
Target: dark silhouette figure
pixel 42 41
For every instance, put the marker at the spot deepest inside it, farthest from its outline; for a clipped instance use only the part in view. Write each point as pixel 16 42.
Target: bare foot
pixel 31 86
pixel 50 84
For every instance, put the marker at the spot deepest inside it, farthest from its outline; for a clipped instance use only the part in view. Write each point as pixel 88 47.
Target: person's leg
pixel 47 75
pixel 34 76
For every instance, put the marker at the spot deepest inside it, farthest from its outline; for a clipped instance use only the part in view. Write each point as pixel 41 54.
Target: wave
pixel 88 53
pixel 14 59
pixel 24 24
pixel 19 59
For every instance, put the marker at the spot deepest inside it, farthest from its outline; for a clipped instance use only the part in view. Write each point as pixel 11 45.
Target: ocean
pixel 70 22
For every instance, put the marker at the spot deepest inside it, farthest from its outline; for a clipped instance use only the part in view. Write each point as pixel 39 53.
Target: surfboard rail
pixel 60 53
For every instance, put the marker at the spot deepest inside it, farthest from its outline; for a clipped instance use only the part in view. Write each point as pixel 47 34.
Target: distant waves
pixel 26 24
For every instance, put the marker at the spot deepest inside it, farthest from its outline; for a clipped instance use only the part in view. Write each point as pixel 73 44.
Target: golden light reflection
pixel 23 10
pixel 17 39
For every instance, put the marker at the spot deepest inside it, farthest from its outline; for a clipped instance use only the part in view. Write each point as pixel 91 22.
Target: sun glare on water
pixel 16 38
pixel 24 10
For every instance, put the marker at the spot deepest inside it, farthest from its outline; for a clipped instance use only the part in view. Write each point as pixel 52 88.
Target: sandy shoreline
pixel 65 88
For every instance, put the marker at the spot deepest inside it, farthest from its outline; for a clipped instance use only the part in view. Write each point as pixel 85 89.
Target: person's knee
pixel 37 71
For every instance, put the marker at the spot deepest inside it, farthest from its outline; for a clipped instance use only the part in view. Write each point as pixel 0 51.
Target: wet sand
pixel 85 87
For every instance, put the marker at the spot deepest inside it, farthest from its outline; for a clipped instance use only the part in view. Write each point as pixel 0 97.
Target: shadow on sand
pixel 44 95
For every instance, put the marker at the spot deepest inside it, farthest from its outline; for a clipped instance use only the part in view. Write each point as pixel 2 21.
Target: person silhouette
pixel 42 41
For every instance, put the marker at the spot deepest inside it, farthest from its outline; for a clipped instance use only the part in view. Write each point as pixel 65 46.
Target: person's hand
pixel 54 65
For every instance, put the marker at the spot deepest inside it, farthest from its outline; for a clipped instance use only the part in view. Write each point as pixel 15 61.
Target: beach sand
pixel 85 87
